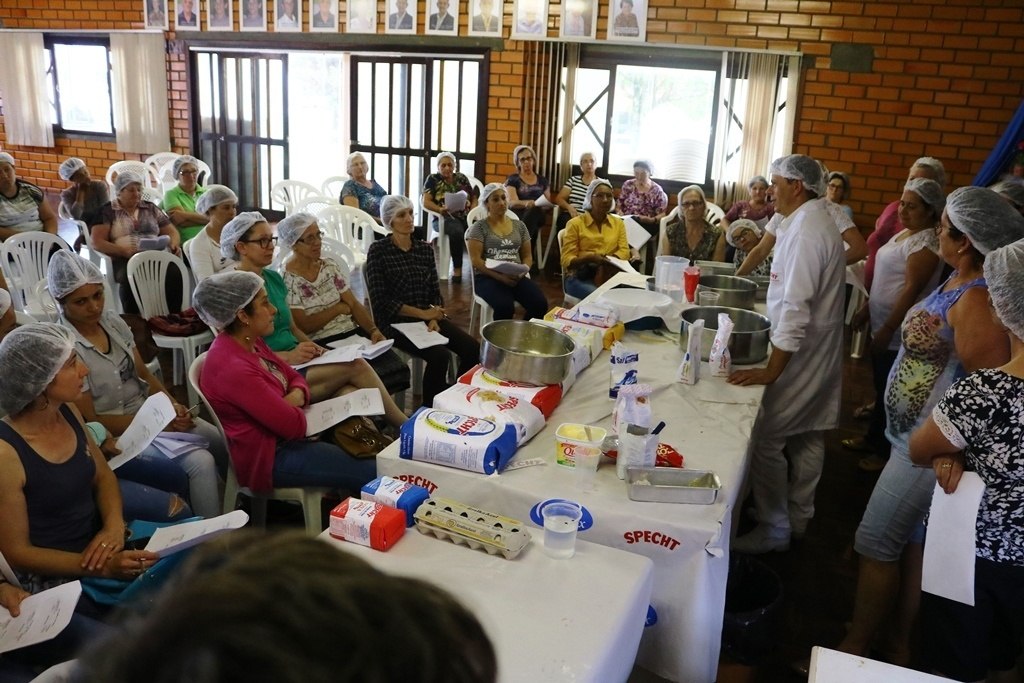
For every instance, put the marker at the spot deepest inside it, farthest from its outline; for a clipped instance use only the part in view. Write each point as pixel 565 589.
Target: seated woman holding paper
pixel 452 209
pixel 402 281
pixel 321 302
pixel 976 430
pixel 249 240
pixel 119 383
pixel 259 397
pixel 590 238
pixel 499 248
pixel 692 237
pixel 60 504
pixel 129 224
pixel 529 193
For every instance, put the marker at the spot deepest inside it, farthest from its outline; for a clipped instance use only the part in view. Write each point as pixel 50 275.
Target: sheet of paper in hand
pixel 320 416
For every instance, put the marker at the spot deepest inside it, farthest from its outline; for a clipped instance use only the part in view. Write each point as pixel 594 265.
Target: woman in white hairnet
pixel 744 235
pixel 804 372
pixel 58 497
pixel 907 268
pixel 449 181
pixel 978 427
pixel 119 382
pixel 500 238
pixel 129 224
pixel 321 301
pixel 249 239
pixel 23 206
pixel 180 201
pixel 402 281
pixel 259 397
pixel 946 335
pixel 591 237
pixel 219 204
pixel 84 199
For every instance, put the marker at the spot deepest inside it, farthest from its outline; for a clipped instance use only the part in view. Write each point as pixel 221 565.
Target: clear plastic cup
pixel 587 460
pixel 561 521
pixel 707 298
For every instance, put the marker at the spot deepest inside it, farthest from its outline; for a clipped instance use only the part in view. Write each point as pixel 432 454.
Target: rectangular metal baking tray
pixel 671 485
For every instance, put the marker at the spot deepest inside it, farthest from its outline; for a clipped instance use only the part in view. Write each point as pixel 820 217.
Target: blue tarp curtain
pixel 1005 149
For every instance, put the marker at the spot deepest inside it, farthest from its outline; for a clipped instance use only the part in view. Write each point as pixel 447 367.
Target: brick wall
pixel 941 82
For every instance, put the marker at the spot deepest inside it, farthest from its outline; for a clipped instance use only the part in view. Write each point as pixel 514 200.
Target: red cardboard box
pixel 367 523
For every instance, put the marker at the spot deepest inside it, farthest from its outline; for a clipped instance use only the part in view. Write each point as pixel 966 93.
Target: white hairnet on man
pixel 235 230
pixel 985 217
pixel 219 298
pixel 802 168
pixel 215 195
pixel 390 206
pixel 31 356
pixel 804 372
pixel 930 192
pixel 126 178
pixel 181 161
pixel 67 272
pixel 69 167
pixel 289 231
pixel 1004 274
pixel 588 199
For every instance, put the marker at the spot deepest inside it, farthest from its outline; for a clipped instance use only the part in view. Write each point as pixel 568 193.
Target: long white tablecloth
pixel 710 424
pixel 549 620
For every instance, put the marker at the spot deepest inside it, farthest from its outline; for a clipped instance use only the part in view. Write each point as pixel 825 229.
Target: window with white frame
pixel 78 77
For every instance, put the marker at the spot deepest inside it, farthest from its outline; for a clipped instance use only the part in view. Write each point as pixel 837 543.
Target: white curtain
pixel 139 74
pixel 749 119
pixel 23 83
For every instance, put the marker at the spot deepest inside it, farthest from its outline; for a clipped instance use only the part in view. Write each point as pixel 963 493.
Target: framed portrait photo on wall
pixel 253 15
pixel 187 18
pixel 401 16
pixel 288 15
pixel 579 19
pixel 323 16
pixel 530 19
pixel 485 18
pixel 442 17
pixel 219 16
pixel 627 20
pixel 154 13
pixel 362 16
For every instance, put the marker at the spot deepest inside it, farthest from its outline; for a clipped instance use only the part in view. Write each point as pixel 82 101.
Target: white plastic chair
pixel 151 194
pixel 309 498
pixel 479 307
pixel 477 185
pixel 713 213
pixel 569 299
pixel 350 226
pixel 140 167
pixel 332 186
pixel 23 259
pixel 105 264
pixel 288 193
pixel 315 204
pixel 160 163
pixel 147 273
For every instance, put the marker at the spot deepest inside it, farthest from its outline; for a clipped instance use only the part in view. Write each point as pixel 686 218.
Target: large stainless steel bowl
pixel 524 351
pixel 762 286
pixel 733 292
pixel 749 340
pixel 716 267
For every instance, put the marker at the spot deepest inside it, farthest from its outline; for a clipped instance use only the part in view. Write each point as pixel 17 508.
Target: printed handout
pixel 320 416
pixel 154 415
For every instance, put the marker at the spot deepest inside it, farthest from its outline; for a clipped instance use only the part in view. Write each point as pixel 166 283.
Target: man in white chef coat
pixel 804 371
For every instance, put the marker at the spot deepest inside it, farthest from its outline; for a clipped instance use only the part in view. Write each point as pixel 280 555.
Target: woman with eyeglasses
pixel 180 201
pixel 250 240
pixel 321 301
pixel 693 237
pixel 590 238
pixel 525 188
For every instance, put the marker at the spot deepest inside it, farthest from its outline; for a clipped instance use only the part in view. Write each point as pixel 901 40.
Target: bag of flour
pixel 545 397
pixel 492 404
pixel 462 441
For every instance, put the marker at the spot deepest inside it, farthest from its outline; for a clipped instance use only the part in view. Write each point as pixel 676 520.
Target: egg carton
pixel 476 528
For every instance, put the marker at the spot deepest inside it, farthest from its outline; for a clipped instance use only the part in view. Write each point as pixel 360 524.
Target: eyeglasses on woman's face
pixel 693 203
pixel 315 238
pixel 263 242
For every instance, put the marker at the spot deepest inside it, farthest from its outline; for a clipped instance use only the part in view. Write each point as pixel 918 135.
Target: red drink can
pixel 691 278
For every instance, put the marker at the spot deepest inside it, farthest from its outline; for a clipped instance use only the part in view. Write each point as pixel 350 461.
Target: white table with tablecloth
pixel 549 620
pixel 710 424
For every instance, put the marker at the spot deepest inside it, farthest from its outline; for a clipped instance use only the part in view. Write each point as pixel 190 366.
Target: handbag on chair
pixel 358 437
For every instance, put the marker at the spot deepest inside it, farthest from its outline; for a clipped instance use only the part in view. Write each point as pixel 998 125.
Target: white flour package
pixel 461 441
pixel 495 405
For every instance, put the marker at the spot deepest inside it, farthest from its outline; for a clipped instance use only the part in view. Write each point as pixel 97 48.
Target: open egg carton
pixel 466 525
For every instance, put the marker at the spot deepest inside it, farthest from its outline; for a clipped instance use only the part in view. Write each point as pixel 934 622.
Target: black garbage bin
pixel 753 602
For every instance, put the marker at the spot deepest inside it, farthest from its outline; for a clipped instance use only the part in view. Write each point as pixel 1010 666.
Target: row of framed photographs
pixel 529 17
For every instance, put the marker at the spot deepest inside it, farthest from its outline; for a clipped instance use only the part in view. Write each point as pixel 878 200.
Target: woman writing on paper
pixel 402 281
pixel 499 238
pixel 119 383
pixel 321 302
pixel 249 239
pixel 265 423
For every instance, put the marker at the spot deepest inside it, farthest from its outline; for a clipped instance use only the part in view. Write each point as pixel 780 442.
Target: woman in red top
pixel 259 397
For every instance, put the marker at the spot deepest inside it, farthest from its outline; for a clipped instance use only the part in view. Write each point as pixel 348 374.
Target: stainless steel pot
pixel 524 351
pixel 716 267
pixel 762 286
pixel 749 340
pixel 733 292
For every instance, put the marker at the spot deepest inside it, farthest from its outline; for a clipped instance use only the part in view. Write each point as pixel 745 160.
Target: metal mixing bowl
pixel 749 340
pixel 762 286
pixel 524 351
pixel 733 292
